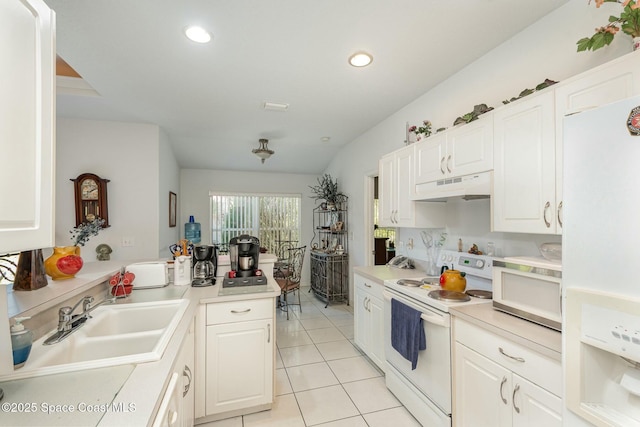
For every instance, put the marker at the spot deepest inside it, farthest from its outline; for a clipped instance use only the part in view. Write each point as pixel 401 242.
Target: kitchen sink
pixel 114 335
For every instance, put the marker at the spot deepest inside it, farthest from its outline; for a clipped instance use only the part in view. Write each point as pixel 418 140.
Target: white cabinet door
pixel 395 187
pixel 463 150
pixel 369 319
pixel 376 348
pixel 470 148
pixel 524 166
pixel 27 134
pixel 482 391
pixel 386 190
pixel 169 412
pixel 186 367
pixel 361 319
pixel 533 406
pixel 239 365
pixel 405 206
pixel 430 157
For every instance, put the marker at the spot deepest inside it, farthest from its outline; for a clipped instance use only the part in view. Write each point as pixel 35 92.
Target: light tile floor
pixel 322 379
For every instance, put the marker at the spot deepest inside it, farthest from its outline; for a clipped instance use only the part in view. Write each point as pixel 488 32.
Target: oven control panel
pixel 477 265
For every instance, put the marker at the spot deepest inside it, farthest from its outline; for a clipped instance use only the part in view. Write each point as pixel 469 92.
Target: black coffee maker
pixel 205 265
pixel 244 251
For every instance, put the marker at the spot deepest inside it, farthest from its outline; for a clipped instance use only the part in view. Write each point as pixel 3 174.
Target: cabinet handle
pixel 517 359
pixel 560 214
pixel 268 332
pixel 186 373
pixel 513 398
pixel 504 381
pixel 367 285
pixel 172 418
pixel 448 163
pixel 364 303
pixel 441 166
pixel 241 311
pixel 544 215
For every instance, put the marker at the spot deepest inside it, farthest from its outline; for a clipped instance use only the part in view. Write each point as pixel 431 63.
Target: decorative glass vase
pixel 30 271
pixel 64 263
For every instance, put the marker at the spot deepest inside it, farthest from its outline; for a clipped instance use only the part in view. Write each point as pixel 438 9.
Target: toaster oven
pixel 530 288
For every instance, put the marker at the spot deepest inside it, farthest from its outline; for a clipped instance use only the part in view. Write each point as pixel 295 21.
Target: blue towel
pixel 407 333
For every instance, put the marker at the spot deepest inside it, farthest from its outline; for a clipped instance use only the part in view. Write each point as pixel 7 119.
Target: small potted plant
pixel 421 131
pixel 628 22
pixel 327 190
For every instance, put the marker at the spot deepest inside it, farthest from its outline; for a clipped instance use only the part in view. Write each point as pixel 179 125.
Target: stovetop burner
pixel 445 295
pixel 479 293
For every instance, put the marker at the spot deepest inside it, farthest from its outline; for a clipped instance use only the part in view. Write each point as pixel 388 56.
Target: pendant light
pixel 263 152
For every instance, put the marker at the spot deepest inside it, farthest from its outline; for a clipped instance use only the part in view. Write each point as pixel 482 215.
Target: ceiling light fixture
pixel 263 152
pixel 360 59
pixel 197 34
pixel 325 139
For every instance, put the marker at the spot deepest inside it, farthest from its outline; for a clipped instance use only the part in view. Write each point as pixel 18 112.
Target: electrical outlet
pixel 128 241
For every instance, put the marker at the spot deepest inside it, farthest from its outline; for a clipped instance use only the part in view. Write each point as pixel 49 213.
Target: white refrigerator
pixel 600 266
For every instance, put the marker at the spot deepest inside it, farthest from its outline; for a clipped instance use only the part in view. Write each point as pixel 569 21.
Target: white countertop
pixel 539 338
pixel 118 387
pixel 380 273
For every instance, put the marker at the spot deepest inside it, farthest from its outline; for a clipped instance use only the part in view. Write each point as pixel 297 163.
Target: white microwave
pixel 530 288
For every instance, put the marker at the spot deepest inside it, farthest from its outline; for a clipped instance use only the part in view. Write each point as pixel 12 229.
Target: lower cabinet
pixel 369 319
pixel 177 406
pixel 239 364
pixel 490 384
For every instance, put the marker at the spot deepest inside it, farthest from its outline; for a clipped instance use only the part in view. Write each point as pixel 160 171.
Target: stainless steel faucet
pixel 69 323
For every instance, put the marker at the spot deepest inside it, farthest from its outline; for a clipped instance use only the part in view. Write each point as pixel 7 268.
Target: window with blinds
pixel 273 219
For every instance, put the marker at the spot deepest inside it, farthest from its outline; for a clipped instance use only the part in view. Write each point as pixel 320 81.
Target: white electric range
pixel 427 390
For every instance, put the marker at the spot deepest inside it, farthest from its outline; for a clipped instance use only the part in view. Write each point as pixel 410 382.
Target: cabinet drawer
pixel 374 288
pixel 529 364
pixel 239 311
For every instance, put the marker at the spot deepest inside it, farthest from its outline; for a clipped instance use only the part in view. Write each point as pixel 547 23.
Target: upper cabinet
pixel 463 150
pixel 524 166
pixel 396 180
pixel 613 81
pixel 27 108
pixel 528 137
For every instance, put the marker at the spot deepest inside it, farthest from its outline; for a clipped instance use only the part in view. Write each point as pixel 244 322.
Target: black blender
pixel 205 266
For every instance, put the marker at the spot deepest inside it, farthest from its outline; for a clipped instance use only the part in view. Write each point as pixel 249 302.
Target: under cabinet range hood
pixel 468 187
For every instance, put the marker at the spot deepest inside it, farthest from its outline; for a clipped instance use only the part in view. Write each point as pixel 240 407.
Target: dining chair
pixel 289 278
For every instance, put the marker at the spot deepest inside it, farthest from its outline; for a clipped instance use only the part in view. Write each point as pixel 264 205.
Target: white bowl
pixel 551 251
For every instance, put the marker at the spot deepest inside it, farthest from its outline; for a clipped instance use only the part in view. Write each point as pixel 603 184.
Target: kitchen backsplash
pixel 471 222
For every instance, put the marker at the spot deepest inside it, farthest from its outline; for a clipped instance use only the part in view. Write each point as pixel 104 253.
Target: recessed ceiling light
pixel 325 139
pixel 197 34
pixel 360 59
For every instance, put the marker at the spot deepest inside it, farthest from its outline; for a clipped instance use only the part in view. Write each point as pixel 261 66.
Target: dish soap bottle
pixel 192 230
pixel 21 340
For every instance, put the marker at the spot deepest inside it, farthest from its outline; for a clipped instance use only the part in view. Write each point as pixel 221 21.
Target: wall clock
pixel 91 198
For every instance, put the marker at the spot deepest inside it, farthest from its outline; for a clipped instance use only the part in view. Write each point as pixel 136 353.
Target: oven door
pixel 432 376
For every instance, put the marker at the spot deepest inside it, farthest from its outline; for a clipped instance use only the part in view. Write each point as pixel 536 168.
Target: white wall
pixel 195 185
pixel 128 155
pixel 546 49
pixel 168 180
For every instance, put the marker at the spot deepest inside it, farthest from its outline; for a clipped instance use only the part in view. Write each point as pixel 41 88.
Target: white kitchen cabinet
pixel 460 151
pixel 369 319
pixel 240 347
pixel 177 405
pixel 610 82
pixel 27 178
pixel 524 191
pixel 500 383
pixel 395 183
